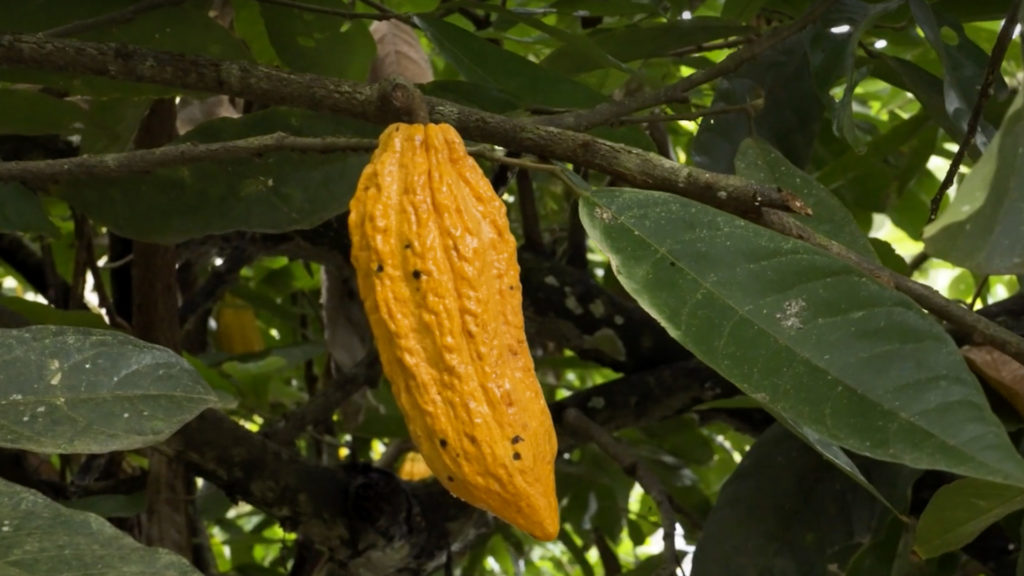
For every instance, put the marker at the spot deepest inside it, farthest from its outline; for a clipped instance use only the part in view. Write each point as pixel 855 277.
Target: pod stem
pixel 406 100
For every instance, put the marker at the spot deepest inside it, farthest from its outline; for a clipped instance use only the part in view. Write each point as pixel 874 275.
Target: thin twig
pixel 381 15
pixel 605 113
pixel 117 17
pixel 715 45
pixel 978 291
pixel 579 423
pixel 533 238
pixel 324 403
pixel 751 108
pixel 984 92
pixel 978 329
pixel 917 261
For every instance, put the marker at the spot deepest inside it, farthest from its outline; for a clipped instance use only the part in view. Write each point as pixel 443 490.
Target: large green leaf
pixel 782 512
pixel 760 162
pixel 808 336
pixel 275 192
pixel 484 63
pixel 960 511
pixel 39 537
pixel 980 228
pixel 80 390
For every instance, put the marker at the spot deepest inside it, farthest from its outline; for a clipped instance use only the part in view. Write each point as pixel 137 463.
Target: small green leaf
pixel 39 537
pixel 484 63
pixel 980 229
pixel 960 511
pixel 764 311
pixel 23 211
pixel 79 390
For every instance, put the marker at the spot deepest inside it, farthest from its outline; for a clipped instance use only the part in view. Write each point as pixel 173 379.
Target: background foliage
pixel 728 263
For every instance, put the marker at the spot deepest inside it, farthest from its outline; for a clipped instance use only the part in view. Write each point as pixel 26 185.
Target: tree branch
pixel 273 86
pixel 976 328
pixel 578 423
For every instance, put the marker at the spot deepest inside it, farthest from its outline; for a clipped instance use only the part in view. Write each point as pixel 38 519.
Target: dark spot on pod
pixel 380 268
pixel 407 246
pixel 516 439
pixel 451 479
pixel 443 443
pixel 416 274
pixel 511 287
pixel 517 456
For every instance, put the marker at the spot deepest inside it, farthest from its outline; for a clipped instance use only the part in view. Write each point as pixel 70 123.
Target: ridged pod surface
pixel 437 272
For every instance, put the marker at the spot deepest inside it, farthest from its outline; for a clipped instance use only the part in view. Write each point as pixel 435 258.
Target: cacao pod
pixel 436 266
pixel 237 330
pixel 414 468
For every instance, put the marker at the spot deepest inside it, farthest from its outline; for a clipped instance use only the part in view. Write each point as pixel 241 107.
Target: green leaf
pixel 810 509
pixel 37 313
pixel 808 336
pixel 741 10
pixel 484 63
pixel 579 46
pixel 78 390
pixel 862 16
pixel 792 109
pixel 980 229
pixel 111 505
pixel 40 537
pixel 960 511
pixel 23 211
pixel 275 192
pixel 641 41
pixel 963 64
pixel 31 112
pixel 319 43
pixel 759 162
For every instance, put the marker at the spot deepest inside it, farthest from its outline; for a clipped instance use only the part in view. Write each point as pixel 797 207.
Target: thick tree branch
pixel 276 87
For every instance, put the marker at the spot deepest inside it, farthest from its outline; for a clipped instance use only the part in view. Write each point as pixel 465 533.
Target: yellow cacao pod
pixel 437 272
pixel 414 468
pixel 237 330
